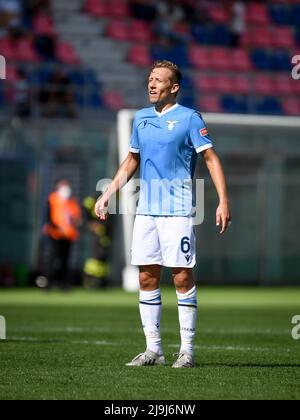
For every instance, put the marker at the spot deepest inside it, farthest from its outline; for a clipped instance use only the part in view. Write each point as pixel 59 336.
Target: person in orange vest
pixel 62 228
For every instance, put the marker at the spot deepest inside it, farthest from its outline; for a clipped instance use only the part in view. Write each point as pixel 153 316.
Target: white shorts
pixel 167 241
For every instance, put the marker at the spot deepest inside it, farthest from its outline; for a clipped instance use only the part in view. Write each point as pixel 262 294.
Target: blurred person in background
pixel 238 21
pixel 56 96
pixel 10 13
pixel 96 267
pixel 62 228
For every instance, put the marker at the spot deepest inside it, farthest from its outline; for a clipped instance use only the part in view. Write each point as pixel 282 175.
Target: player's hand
pixel 101 207
pixel 223 217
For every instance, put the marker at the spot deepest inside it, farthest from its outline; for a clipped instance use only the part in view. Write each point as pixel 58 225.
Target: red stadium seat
pixel 283 85
pixel 218 13
pixel 66 53
pixel 257 13
pixel 209 103
pixel 241 84
pixel 260 37
pixel 118 30
pixel 7 49
pixel 204 83
pixel 24 51
pixel 118 9
pixel 241 60
pixel 96 8
pixel 139 55
pixel 11 74
pixel 140 31
pixel 224 84
pixel 220 58
pixel 283 38
pixel 291 106
pixel 113 100
pixel 263 85
pixel 43 25
pixel 199 57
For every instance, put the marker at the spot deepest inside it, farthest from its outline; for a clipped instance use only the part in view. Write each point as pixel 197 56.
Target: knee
pixel 148 281
pixel 183 281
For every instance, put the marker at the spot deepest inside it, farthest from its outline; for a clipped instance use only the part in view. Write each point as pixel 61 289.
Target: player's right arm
pixel 123 175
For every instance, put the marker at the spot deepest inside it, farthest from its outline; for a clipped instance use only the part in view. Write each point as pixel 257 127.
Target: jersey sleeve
pixel 134 141
pixel 199 134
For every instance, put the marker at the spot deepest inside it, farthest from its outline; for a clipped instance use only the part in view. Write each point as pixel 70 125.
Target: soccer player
pixel 165 142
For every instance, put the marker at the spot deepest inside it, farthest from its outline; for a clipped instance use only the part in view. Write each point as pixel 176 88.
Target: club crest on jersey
pixel 204 132
pixel 171 124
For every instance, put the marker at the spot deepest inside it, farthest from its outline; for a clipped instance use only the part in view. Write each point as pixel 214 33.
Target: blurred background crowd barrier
pixel 72 65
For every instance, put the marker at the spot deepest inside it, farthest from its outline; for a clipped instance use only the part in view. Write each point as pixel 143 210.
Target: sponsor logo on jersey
pixel 204 132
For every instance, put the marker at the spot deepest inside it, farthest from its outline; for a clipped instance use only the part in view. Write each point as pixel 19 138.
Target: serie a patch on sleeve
pixel 204 132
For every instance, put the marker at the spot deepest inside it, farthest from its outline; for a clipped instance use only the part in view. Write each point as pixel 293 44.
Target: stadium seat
pixel 241 84
pixel 262 59
pixel 209 103
pixel 281 60
pixel 291 106
pixel 118 30
pixel 269 106
pixel 66 53
pixel 7 49
pixel 257 13
pixel 118 9
pixel 280 14
pixel 296 14
pixel 204 83
pixel 43 25
pixel 201 34
pixel 24 51
pixel 199 57
pixel 283 85
pixel 218 14
pixel 233 104
pixel 11 74
pixel 262 84
pixel 240 60
pixel 113 100
pixel 139 55
pixel 283 38
pixel 221 35
pixel 220 58
pixel 140 31
pixel 96 8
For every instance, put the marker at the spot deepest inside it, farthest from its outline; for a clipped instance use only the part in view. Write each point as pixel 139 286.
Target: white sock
pixel 187 311
pixel 150 310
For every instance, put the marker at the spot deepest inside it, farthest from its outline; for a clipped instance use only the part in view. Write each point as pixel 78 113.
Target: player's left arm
pixel 213 163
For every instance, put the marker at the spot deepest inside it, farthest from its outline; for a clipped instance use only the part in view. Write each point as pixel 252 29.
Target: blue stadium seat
pixel 280 14
pixel 261 59
pixel 178 54
pixel 270 106
pixel 281 61
pixel 221 35
pixel 235 105
pixel 202 34
pixel 295 13
pixel 298 36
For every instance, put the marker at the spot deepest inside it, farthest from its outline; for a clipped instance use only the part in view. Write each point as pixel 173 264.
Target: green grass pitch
pixel 75 346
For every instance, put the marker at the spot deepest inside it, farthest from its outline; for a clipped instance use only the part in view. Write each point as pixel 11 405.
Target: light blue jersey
pixel 168 144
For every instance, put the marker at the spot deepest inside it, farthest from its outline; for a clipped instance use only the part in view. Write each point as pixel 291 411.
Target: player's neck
pixel 164 107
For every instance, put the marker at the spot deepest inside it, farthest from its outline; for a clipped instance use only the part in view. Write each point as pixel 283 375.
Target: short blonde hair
pixel 177 75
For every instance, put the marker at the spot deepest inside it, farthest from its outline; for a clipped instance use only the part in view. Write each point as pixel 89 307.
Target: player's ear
pixel 175 88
